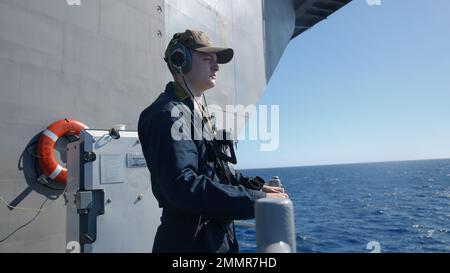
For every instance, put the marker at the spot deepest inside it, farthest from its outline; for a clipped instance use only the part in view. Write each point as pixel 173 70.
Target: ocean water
pixel 402 206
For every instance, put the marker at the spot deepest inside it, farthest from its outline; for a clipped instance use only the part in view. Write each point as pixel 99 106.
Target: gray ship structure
pixel 100 62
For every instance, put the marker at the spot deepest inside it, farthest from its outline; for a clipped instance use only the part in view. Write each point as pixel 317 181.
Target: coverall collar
pixel 175 90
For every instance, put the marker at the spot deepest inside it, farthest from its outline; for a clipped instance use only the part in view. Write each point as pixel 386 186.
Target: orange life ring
pixel 46 144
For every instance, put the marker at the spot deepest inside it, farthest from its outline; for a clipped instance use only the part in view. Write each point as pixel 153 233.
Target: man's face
pixel 204 70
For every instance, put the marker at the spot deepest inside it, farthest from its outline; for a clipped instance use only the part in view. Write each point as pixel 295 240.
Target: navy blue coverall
pixel 198 206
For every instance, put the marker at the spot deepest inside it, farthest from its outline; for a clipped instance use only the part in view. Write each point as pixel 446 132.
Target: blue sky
pixel 370 83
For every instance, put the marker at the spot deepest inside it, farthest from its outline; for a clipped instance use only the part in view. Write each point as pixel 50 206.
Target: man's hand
pixel 277 195
pixel 270 189
pixel 274 192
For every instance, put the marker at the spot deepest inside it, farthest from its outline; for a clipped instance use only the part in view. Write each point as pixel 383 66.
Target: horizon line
pixel 350 163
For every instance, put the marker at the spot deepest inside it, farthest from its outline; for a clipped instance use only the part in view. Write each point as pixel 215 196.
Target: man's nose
pixel 215 67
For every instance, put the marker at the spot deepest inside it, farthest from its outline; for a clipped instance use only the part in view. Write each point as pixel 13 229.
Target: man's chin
pixel 211 84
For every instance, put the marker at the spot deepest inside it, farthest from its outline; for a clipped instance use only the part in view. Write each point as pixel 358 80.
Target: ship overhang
pixel 310 12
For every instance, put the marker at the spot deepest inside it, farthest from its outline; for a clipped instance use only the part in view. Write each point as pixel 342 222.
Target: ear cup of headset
pixel 181 58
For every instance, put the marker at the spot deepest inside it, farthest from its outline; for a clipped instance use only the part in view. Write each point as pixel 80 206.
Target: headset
pixel 180 57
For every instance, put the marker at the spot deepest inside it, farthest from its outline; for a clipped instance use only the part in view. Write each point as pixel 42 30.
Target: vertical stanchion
pixel 275 228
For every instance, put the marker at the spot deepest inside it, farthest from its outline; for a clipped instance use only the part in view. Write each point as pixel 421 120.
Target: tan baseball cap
pixel 199 41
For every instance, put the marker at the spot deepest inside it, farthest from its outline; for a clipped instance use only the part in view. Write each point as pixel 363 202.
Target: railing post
pixel 275 228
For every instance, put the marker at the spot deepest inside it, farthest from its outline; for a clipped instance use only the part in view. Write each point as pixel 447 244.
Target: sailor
pixel 199 194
